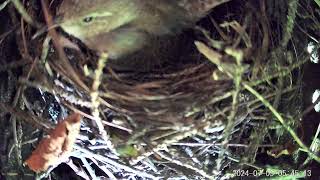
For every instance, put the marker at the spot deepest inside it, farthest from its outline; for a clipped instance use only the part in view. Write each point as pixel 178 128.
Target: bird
pixel 123 27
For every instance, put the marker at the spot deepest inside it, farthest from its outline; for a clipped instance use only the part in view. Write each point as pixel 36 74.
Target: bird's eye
pixel 87 19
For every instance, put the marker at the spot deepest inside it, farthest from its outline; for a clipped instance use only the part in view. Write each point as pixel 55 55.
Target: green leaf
pixel 318 2
pixel 127 151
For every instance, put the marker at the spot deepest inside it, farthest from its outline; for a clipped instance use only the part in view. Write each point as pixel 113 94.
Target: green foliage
pixel 318 2
pixel 127 151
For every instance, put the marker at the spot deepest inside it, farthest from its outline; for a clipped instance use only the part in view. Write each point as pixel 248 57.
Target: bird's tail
pixel 199 8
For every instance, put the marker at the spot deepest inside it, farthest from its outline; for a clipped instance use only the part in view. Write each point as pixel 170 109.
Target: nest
pixel 165 97
pixel 201 117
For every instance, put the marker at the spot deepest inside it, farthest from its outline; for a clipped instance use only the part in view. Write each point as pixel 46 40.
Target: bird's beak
pixel 57 20
pixel 43 30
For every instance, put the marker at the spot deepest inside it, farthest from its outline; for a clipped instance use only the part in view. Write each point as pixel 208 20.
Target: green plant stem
pixel 281 120
pixel 17 4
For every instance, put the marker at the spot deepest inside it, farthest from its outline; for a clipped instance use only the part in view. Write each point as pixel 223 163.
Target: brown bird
pixel 122 27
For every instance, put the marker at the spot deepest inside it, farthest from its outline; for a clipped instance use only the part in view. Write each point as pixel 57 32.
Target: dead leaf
pixel 287 149
pixel 59 143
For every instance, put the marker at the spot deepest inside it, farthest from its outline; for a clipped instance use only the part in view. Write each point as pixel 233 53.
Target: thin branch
pixel 282 121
